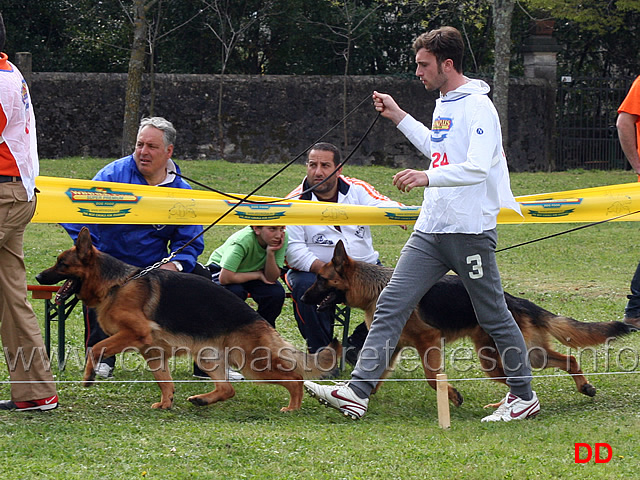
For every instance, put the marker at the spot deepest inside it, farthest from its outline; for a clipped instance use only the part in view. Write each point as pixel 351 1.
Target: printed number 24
pixel 439 159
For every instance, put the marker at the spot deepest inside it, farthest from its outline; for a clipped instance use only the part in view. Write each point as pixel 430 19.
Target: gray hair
pixel 168 132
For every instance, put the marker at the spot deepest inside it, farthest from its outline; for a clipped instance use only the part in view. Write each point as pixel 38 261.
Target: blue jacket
pixel 141 245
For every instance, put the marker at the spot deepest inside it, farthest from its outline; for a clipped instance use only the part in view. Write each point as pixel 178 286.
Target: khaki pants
pixel 26 356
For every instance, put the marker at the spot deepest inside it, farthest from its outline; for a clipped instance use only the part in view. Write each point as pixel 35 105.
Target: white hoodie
pixel 308 243
pixel 468 175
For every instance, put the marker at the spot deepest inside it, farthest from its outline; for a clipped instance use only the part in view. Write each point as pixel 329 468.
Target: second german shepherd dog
pixel 445 314
pixel 164 313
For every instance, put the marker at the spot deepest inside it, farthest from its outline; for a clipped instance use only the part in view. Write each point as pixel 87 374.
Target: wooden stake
pixel 444 420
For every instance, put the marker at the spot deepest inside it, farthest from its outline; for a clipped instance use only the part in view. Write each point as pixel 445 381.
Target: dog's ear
pixel 340 258
pixel 84 246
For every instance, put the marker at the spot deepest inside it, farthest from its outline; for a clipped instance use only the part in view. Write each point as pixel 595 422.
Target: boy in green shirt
pixel 249 262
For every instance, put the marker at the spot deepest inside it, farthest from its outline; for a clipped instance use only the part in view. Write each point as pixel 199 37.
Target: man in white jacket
pixel 466 185
pixel 311 246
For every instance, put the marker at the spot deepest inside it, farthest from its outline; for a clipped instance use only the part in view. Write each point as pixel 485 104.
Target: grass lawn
pixel 109 431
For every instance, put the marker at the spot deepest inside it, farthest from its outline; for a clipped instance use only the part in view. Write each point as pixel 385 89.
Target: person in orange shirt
pixel 628 125
pixel 32 384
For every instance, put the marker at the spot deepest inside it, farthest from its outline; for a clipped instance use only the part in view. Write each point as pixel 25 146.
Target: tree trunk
pixel 220 123
pixel 345 135
pixel 152 81
pixel 502 14
pixel 134 79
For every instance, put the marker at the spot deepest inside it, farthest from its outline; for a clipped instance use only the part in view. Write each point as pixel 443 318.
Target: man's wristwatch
pixel 178 265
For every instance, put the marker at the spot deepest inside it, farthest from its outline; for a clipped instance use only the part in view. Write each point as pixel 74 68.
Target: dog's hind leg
pixel 295 394
pixel 389 370
pixel 158 365
pixel 279 371
pixel 431 357
pixel 487 352
pixel 292 382
pixel 550 358
pixel 491 364
pixel 223 390
pixel 490 360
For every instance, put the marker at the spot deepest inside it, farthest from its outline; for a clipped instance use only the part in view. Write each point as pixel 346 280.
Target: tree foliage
pixel 597 37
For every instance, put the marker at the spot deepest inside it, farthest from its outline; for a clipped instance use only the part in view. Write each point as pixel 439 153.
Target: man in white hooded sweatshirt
pixel 466 185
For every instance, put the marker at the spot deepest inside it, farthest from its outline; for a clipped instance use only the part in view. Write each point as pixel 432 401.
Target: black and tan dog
pixel 165 313
pixel 445 314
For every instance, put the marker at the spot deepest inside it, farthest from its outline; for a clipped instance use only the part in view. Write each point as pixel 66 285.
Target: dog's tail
pixel 321 364
pixel 573 333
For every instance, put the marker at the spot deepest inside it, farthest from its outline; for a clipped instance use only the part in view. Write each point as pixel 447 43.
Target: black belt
pixel 7 179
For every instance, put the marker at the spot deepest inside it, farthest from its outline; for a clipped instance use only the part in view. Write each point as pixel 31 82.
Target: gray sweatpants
pixel 424 260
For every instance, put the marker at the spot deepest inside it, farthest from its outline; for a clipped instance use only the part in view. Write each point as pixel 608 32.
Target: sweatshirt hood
pixel 473 86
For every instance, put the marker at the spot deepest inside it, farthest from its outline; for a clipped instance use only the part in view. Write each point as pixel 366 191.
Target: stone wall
pixel 267 118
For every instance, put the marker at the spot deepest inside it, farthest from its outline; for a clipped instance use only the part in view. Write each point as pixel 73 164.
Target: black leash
pixel 567 231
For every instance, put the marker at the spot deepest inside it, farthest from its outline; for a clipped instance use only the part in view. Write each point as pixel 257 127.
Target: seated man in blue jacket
pixel 142 245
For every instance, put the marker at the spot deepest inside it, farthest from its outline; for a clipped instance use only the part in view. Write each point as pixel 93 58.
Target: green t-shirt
pixel 241 252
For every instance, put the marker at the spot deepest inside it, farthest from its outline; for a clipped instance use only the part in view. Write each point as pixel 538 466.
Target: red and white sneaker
pixel 42 404
pixel 515 408
pixel 340 397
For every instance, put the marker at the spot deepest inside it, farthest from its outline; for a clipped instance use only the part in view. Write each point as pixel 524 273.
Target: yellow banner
pixel 583 205
pixel 66 200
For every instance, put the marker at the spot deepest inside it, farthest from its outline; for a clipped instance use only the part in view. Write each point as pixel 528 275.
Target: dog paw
pixel 88 381
pixel 197 401
pixel 457 398
pixel 162 405
pixel 588 390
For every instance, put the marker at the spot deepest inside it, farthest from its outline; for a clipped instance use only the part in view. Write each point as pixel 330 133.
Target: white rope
pixel 389 380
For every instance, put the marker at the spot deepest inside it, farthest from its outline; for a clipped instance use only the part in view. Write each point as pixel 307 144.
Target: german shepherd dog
pixel 445 314
pixel 164 313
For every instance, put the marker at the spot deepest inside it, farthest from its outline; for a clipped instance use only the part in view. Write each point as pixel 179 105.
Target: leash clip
pixel 148 269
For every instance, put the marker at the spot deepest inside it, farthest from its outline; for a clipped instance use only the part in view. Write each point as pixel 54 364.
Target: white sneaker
pixel 340 397
pixel 104 370
pixel 515 408
pixel 234 376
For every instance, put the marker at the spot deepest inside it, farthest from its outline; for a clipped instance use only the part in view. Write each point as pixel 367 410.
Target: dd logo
pixel 593 453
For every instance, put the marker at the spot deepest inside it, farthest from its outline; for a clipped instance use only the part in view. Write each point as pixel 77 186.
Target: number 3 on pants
pixel 476 266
